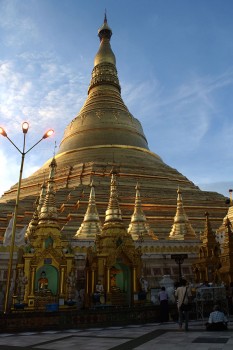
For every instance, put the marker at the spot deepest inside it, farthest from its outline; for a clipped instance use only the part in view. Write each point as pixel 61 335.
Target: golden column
pixel 134 280
pixel 62 281
pixel 108 280
pixel 31 292
pixel 92 281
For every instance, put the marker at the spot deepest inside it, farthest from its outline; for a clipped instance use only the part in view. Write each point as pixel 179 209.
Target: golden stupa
pixel 103 136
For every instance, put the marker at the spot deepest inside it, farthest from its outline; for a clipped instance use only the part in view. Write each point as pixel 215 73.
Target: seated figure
pixel 99 287
pixel 43 282
pixel 217 320
pixel 144 284
pixel 99 293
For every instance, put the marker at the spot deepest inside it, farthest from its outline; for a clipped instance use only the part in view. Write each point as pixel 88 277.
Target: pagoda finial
pixel 55 146
pixel 91 225
pixel 208 235
pixel 48 212
pixel 116 125
pixel 113 212
pixel 105 16
pixel 104 56
pixel 181 228
pixel 138 226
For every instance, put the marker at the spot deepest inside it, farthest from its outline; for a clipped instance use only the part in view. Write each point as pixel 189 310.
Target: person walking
pixel 183 294
pixel 163 300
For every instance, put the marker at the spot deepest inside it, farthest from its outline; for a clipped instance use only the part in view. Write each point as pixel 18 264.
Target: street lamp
pixel 25 127
pixel 179 259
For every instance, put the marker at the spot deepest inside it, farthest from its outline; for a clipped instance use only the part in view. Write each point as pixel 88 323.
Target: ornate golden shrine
pixel 114 260
pixel 215 263
pixel 45 271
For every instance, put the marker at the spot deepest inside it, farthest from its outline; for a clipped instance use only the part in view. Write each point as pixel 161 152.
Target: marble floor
pixel 150 336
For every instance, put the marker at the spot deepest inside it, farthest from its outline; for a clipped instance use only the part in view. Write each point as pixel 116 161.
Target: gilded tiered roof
pixel 104 119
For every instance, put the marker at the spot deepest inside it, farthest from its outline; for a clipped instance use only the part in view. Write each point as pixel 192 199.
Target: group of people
pixel 217 320
pixel 182 295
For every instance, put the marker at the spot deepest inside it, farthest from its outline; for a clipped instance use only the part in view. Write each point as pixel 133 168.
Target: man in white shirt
pixel 183 294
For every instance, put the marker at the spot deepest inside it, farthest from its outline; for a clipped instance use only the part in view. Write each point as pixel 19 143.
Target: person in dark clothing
pixel 164 311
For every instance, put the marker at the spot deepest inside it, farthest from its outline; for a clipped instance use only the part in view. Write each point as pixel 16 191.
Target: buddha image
pixel 113 281
pixel 43 282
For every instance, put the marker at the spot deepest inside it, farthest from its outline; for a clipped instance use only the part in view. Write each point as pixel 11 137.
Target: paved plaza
pixel 140 337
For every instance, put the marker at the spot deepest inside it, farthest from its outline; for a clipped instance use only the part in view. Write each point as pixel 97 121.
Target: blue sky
pixel 174 62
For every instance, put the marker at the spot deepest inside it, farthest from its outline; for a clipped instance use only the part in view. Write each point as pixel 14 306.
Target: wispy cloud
pixel 46 95
pixel 40 92
pixel 198 88
pixel 184 114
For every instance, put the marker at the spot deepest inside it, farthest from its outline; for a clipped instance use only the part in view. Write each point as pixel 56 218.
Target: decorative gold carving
pixel 99 114
pixel 83 116
pixel 116 114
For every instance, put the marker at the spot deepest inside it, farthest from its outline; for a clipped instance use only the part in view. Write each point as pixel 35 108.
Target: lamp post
pixel 179 259
pixel 25 127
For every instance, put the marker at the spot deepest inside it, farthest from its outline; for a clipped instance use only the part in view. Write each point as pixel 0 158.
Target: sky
pixel 175 65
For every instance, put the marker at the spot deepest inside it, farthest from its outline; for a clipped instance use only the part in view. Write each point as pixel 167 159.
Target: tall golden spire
pixel 181 228
pixel 48 212
pixel 105 53
pixel 91 225
pixel 138 227
pixel 104 120
pixel 113 212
